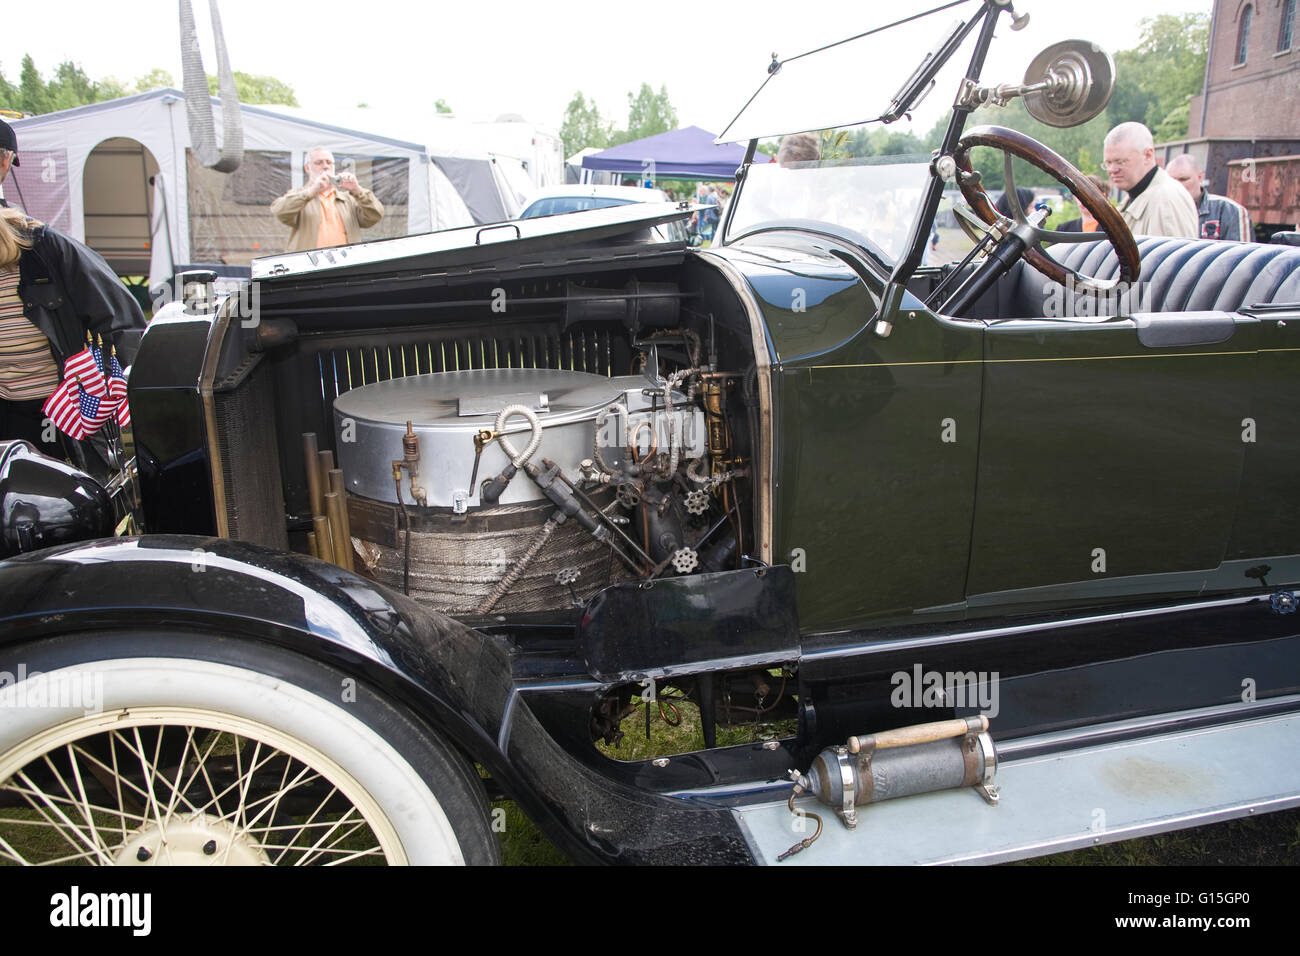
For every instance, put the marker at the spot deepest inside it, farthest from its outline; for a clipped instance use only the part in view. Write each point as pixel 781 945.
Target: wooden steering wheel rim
pixel 1039 156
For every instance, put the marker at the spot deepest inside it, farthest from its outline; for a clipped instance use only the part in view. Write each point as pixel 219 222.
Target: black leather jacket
pixel 68 289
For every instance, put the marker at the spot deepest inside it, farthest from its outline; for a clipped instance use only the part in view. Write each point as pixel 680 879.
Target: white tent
pixel 87 171
pixel 575 172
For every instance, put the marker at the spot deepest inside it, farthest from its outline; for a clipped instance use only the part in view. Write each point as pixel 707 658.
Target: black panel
pixel 642 626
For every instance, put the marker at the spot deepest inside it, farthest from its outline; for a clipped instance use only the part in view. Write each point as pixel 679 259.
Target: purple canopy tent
pixel 687 153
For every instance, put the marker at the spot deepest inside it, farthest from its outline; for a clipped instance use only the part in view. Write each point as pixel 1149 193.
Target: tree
pixel 583 126
pixel 648 113
pixel 155 79
pixel 258 88
pixel 8 94
pixel 32 95
pixel 70 87
pixel 1156 79
pixel 441 105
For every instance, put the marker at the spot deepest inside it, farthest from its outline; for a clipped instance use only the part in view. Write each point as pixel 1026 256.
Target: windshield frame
pixel 903 269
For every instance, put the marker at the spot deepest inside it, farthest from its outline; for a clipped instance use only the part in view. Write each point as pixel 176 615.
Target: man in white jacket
pixel 1157 204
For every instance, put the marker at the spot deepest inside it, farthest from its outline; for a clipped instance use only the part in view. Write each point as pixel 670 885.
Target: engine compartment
pixel 513 445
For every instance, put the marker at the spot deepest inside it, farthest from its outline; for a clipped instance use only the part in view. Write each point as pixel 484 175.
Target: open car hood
pixel 468 245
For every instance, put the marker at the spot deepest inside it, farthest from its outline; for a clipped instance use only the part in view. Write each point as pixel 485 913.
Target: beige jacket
pixel 299 210
pixel 1164 208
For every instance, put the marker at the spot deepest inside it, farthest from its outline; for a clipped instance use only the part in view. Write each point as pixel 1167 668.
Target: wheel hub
pixel 199 839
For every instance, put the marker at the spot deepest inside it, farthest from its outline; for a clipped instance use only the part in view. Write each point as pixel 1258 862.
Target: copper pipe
pixel 310 454
pixel 344 525
pixel 324 545
pixel 338 521
pixel 324 465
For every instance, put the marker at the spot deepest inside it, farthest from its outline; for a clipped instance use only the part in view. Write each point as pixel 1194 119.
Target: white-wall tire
pixel 246 721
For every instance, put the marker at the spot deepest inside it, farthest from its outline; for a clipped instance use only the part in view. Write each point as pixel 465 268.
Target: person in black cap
pixel 8 153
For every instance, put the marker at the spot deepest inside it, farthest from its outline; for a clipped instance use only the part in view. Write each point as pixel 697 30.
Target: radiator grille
pixel 345 367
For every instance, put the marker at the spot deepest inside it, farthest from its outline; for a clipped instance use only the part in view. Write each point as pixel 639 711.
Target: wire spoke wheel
pixel 165 786
pixel 239 755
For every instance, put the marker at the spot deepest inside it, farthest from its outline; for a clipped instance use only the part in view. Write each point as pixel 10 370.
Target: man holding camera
pixel 330 209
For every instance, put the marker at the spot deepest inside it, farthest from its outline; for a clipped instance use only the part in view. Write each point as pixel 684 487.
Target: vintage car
pixel 975 562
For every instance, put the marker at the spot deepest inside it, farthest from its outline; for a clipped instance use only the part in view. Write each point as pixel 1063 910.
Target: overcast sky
pixel 506 56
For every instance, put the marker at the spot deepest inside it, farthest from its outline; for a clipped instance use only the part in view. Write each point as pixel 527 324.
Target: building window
pixel 1243 33
pixel 1288 26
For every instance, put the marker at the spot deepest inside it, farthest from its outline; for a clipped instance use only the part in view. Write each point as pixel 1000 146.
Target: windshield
pixel 874 199
pixel 852 81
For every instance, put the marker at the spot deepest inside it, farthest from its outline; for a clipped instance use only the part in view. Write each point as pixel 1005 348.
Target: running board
pixel 1055 802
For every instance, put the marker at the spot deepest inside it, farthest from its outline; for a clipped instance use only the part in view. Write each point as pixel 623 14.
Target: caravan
pixel 122 177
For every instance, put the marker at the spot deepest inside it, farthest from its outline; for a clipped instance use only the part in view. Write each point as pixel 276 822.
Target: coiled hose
pixel 518 459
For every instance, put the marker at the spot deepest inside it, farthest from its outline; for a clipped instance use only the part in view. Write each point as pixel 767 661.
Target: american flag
pixel 76 412
pixel 87 365
pixel 117 392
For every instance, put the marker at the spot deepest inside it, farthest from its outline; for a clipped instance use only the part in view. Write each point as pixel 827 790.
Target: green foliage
pixel 583 126
pixel 1157 78
pixel 33 96
pixel 648 113
pixel 835 144
pixel 1079 145
pixel 440 105
pixel 258 88
pixel 69 87
pixel 1154 85
pixel 155 79
pixel 678 189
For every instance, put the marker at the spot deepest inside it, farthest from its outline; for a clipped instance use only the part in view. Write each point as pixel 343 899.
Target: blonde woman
pixel 53 291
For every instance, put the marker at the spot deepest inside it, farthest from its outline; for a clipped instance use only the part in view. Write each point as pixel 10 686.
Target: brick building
pixel 1249 109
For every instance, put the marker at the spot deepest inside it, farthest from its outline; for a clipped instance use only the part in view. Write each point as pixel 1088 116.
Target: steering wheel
pixel 1112 225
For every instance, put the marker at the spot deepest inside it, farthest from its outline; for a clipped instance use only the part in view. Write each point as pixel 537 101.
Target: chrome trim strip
pixel 940 640
pixel 1150 726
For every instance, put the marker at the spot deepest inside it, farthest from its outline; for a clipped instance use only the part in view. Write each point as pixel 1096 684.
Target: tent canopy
pixel 120 176
pixel 687 153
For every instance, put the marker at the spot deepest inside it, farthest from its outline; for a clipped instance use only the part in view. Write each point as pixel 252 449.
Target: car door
pixel 1111 455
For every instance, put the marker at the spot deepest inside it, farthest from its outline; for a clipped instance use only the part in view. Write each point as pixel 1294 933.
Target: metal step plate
pixel 1062 801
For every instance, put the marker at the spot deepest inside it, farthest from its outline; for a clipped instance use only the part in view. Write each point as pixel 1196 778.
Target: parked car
pixel 557 200
pixel 1006 526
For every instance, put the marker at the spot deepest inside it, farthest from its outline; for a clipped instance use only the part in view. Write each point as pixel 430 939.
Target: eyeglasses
pixel 1115 163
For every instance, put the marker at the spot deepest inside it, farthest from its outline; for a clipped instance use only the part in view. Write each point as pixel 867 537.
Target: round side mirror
pixel 1079 77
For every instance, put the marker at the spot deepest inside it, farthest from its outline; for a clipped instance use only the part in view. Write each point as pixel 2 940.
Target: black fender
pixel 456 679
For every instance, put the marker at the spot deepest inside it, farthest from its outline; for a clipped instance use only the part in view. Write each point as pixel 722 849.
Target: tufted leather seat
pixel 1178 275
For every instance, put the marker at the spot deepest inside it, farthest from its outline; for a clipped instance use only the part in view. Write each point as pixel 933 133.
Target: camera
pixel 335 180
